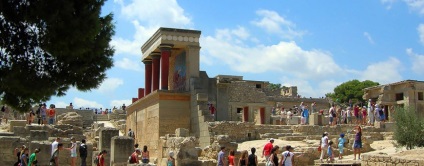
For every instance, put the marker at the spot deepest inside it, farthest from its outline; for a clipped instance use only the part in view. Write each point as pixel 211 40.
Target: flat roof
pixel 395 83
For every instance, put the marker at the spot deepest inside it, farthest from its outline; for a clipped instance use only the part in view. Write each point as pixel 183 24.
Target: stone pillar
pixel 140 93
pixel 147 76
pixel 105 138
pixel 165 51
pixel 155 70
pixel 122 148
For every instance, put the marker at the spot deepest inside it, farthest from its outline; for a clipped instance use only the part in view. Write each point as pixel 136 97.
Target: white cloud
pixel 305 89
pixel 146 17
pixel 285 57
pixel 110 84
pixel 272 22
pixel 128 64
pixel 416 5
pixel 118 103
pixel 383 72
pixel 79 102
pixel 417 61
pixel 388 3
pixel 241 32
pixel 420 30
pixel 368 36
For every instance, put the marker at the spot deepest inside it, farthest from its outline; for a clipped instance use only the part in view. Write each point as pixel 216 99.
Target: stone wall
pixel 236 131
pixel 87 115
pixel 377 160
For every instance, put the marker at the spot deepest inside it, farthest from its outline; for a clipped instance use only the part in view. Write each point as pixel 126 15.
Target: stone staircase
pixel 275 131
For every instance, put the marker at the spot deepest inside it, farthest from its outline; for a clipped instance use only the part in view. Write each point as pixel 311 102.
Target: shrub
pixel 409 130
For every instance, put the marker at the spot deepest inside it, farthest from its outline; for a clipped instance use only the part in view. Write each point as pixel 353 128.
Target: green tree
pixel 409 130
pixel 274 86
pixel 48 46
pixel 352 89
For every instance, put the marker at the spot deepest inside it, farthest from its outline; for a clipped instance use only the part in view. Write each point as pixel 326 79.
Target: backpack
pixel 3 109
pixel 96 160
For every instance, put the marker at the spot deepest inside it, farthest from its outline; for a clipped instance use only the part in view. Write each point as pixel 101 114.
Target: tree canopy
pixel 48 46
pixel 352 89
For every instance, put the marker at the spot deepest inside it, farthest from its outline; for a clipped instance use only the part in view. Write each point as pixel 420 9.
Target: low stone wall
pixel 236 131
pixel 377 160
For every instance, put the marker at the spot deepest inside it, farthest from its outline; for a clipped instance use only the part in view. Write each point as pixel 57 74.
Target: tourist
pixel 33 158
pixel 273 112
pixel 54 144
pixel 273 159
pixel 54 160
pixel 25 157
pixel 131 134
pixel 289 116
pixel 332 114
pixel 171 159
pixel 221 157
pixel 17 152
pixel 339 116
pixel 134 156
pixel 282 116
pixel 324 145
pixel 267 149
pixel 305 115
pixel 52 113
pixel 123 107
pixel 313 105
pixel 380 113
pixel 340 145
pixel 231 158
pixel 349 115
pixel 356 114
pixel 330 151
pixel 244 159
pixel 357 145
pixel 135 146
pixel 371 109
pixel 101 158
pixel 287 157
pixel 6 114
pixel 364 115
pixel 145 155
pixel 343 116
pixel 31 116
pixel 83 150
pixel 253 159
pixel 43 112
pixel 73 150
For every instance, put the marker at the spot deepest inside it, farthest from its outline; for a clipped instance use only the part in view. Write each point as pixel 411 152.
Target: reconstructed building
pixel 178 95
pixel 403 93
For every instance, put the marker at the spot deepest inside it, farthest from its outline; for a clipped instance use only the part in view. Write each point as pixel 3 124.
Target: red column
pixel 140 93
pixel 155 70
pixel 134 100
pixel 147 76
pixel 165 51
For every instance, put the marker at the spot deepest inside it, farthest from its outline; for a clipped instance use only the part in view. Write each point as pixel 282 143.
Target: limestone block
pixel 71 118
pixel 39 135
pixel 181 132
pixel 45 151
pixel 105 138
pixel 14 123
pixel 122 148
pixel 20 131
pixel 7 145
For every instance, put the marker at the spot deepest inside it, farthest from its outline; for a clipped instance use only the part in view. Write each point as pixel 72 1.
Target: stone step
pixel 294 138
pixel 263 131
pixel 344 162
pixel 276 135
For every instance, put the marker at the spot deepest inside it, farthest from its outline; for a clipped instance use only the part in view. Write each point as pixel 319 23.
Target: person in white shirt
pixel 73 150
pixel 289 116
pixel 349 115
pixel 287 157
pixel 54 145
pixel 282 115
pixel 324 145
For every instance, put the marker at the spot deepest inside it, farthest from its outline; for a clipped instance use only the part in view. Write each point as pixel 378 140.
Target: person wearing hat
pixel 287 157
pixel 267 149
pixel 340 145
pixel 73 150
pixel 171 159
pixel 33 158
pixel 134 156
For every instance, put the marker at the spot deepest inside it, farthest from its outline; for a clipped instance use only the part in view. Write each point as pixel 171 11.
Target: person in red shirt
pixel 231 158
pixel 267 149
pixel 134 156
pixel 102 158
pixel 356 114
pixel 51 113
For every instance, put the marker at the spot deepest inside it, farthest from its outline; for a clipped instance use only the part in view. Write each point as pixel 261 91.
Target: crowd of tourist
pixel 326 146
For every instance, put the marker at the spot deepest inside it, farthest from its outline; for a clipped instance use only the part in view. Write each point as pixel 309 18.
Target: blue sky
pixel 315 45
